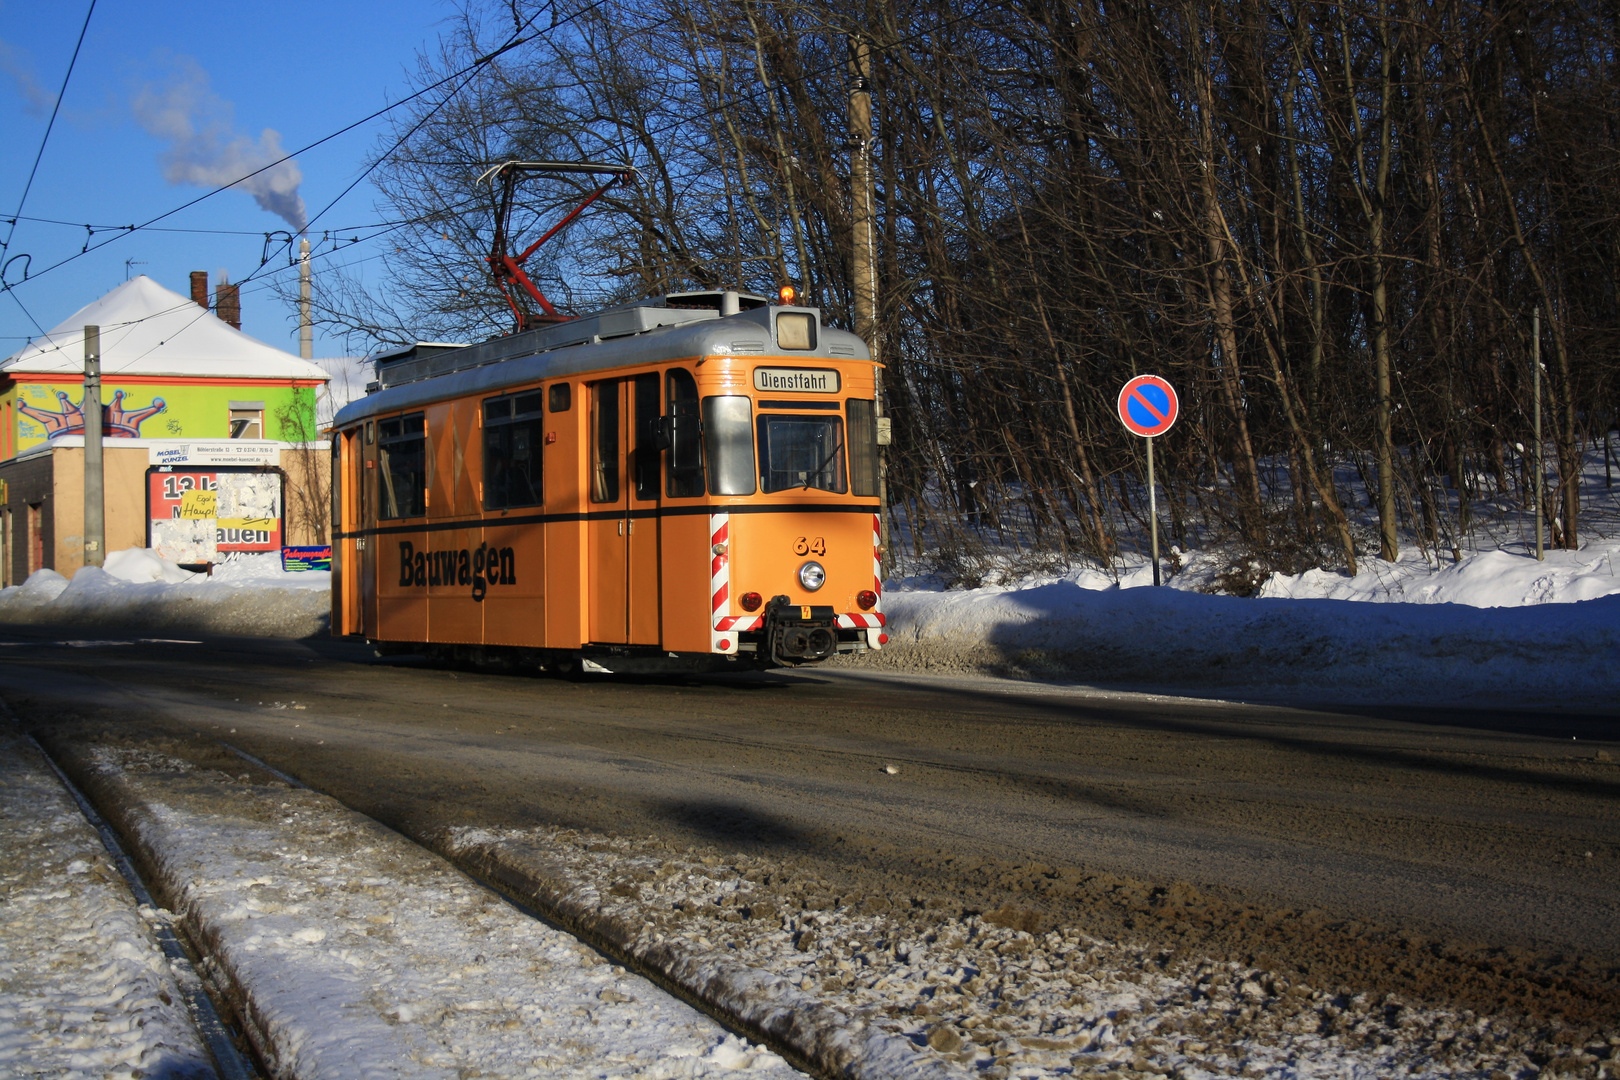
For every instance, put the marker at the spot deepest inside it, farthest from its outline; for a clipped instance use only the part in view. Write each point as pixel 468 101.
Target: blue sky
pixel 119 153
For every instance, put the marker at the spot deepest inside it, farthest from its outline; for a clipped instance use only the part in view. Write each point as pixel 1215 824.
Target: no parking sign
pixel 1148 406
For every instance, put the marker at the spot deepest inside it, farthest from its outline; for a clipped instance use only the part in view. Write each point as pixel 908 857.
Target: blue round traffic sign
pixel 1148 406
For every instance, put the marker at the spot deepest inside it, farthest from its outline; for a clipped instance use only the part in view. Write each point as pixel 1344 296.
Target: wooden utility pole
pixel 863 260
pixel 95 532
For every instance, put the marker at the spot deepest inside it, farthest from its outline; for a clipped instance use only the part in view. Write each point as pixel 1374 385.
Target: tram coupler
pixel 799 633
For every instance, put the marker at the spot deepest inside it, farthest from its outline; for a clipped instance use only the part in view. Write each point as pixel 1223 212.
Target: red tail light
pixel 866 600
pixel 751 601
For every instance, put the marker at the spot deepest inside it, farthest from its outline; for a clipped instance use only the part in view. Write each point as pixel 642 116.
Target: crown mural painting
pixel 117 422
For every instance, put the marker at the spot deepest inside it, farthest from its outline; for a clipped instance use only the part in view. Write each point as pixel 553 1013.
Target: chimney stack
pixel 228 302
pixel 199 287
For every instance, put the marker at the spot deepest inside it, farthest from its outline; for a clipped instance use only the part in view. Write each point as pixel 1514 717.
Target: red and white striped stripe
pixel 738 622
pixel 722 639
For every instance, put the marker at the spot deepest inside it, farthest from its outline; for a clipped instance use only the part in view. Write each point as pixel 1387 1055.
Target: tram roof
pixel 642 333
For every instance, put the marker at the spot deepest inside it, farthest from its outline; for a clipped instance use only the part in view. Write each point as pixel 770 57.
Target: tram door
pixel 369 543
pixel 349 475
pixel 623 511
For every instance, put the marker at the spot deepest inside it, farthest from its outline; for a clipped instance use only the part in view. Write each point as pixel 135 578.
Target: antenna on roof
pixel 508 269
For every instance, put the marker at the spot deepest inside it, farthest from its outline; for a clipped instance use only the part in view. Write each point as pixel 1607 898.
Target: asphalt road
pixel 1463 857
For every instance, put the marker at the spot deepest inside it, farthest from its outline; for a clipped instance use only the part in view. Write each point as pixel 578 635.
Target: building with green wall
pixel 171 372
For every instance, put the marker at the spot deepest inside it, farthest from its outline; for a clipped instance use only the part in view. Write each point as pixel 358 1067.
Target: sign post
pixel 1148 407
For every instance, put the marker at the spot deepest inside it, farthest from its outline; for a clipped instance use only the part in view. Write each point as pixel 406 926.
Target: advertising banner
pixel 200 515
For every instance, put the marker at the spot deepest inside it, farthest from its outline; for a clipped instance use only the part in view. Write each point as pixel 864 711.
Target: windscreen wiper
pixel 817 470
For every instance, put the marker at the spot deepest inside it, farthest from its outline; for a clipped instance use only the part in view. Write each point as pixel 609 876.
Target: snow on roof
pixel 148 330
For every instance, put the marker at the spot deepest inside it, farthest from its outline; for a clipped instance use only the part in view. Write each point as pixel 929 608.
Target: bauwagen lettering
pixel 479 567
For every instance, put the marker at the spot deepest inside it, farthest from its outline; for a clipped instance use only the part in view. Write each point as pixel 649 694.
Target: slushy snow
pixel 84 989
pixel 361 954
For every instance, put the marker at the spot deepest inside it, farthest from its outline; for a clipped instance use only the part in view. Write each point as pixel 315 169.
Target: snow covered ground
pixel 351 952
pixel 1000 995
pixel 84 990
pixel 1469 615
pixel 1497 626
pixel 250 594
pixel 354 953
pixel 314 913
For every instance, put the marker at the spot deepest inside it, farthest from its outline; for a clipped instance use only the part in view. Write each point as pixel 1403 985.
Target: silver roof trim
pixel 709 337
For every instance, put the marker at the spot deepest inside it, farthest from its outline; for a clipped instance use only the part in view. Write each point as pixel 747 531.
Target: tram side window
pixel 685 474
pixel 645 463
pixel 863 451
pixel 513 435
pixel 728 444
pixel 605 442
pixel 402 445
pixel 801 452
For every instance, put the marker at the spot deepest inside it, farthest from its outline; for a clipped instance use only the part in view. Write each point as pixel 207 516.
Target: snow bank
pixel 1486 579
pixel 1495 627
pixel 248 595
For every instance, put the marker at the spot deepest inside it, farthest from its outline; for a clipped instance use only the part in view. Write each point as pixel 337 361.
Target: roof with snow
pixel 148 330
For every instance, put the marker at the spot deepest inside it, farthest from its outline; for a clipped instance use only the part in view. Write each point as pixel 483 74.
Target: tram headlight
pixel 812 575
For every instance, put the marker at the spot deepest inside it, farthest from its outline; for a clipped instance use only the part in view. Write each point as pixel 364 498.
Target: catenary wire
pixel 56 108
pixel 511 43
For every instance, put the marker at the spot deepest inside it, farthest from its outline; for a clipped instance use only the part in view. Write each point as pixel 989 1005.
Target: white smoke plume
pixel 206 150
pixel 37 100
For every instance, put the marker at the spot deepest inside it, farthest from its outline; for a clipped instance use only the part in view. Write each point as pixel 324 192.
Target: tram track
pixel 231 1061
pixel 806 1032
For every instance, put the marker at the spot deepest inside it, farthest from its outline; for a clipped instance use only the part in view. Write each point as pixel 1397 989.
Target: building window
pixel 247 420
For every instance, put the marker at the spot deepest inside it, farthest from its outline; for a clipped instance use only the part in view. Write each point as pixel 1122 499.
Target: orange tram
pixel 685 483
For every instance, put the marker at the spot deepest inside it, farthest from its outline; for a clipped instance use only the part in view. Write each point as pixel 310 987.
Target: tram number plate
pixel 810 545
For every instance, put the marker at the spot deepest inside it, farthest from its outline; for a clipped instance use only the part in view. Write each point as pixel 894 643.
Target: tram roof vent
pixel 403 362
pixel 726 302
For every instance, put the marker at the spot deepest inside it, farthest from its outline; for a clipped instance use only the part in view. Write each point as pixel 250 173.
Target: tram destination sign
pixel 778 380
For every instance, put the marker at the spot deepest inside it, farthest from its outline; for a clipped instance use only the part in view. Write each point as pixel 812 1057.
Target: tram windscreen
pixel 801 452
